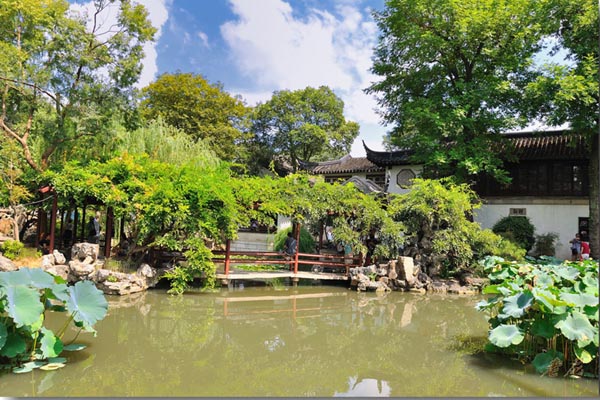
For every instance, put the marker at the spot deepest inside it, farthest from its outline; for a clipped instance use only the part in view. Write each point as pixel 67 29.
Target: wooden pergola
pixel 78 229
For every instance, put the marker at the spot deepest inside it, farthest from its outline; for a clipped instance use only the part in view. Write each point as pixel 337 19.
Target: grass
pixel 29 257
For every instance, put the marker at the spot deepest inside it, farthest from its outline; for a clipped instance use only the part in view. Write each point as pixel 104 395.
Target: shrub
pixel 12 249
pixel 517 229
pixel 545 244
pixel 306 245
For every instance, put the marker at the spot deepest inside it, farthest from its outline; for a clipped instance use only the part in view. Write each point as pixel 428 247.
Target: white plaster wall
pixel 560 218
pixel 253 241
pixel 393 171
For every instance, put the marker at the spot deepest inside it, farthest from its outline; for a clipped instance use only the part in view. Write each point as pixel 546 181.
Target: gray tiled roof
pixel 344 165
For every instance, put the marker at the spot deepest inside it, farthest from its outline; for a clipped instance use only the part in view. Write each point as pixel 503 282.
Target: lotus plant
pixel 545 311
pixel 26 295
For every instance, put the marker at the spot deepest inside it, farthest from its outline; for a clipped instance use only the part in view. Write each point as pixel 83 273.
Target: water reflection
pixel 305 341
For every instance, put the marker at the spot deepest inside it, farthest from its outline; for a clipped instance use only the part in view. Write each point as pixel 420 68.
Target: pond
pixel 290 342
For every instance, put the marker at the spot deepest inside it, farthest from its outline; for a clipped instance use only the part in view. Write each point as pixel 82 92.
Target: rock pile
pixel 84 265
pixel 404 275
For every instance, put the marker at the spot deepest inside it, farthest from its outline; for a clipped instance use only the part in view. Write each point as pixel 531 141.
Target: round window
pixel 405 177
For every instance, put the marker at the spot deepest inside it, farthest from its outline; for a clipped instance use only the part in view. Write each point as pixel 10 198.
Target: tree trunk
pixel 594 228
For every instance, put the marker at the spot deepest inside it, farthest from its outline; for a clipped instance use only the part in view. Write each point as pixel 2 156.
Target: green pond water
pixel 289 342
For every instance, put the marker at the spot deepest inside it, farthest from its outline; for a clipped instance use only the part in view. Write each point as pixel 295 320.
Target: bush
pixel 306 245
pixel 12 249
pixel 517 229
pixel 545 244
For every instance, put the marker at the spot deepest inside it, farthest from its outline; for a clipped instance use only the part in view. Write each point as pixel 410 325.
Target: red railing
pixel 332 261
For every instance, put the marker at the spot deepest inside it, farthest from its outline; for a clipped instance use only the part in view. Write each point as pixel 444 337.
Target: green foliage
pixel 541 307
pixel 200 109
pixel 63 77
pixel 12 249
pixel 435 214
pixel 545 244
pixel 306 245
pixel 517 229
pixel 306 125
pixel 452 76
pixel 25 297
pixel 167 144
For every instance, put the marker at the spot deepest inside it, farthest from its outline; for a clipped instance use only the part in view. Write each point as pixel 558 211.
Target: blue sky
pixel 254 47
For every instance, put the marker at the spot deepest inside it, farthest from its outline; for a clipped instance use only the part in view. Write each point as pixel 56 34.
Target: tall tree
pixel 306 124
pixel 568 90
pixel 63 75
pixel 203 110
pixel 453 73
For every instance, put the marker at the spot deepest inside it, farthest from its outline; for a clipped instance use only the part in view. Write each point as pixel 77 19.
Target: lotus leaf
pixel 51 346
pixel 542 361
pixel 52 366
pixel 505 335
pixel 568 273
pixel 515 306
pixel 544 280
pixel 22 370
pixel 583 355
pixel 14 346
pixel 24 305
pixel 579 299
pixel 34 277
pixel 490 289
pixel 591 312
pixel 544 328
pixel 3 334
pixel 74 347
pixel 57 360
pixel 86 303
pixel 576 326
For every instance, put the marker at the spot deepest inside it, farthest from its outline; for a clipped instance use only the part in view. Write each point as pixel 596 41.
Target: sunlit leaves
pixel 506 335
pixel 86 303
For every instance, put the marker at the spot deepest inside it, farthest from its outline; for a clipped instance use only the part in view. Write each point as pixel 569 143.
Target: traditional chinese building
pixel 550 183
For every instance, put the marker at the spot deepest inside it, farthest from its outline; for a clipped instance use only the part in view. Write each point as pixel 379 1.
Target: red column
pixel 53 220
pixel 108 234
pixel 227 255
pixel 297 248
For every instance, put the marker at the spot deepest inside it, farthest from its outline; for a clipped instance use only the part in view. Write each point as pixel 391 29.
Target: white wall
pixel 560 216
pixel 393 171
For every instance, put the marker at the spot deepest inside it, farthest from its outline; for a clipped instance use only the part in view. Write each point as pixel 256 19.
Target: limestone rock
pixel 80 251
pixel 7 264
pixel 59 270
pixel 407 270
pixel 47 261
pixel 59 258
pixel 80 270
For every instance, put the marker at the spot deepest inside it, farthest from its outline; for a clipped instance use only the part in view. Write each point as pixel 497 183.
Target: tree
pixel 203 110
pixel 453 75
pixel 567 91
pixel 61 80
pixel 306 124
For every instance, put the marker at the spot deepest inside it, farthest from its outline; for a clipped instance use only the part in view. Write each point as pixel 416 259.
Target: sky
pixel 256 47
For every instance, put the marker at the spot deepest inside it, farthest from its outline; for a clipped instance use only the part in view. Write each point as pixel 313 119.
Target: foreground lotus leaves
pixel 87 303
pixel 577 327
pixel 25 296
pixel 505 335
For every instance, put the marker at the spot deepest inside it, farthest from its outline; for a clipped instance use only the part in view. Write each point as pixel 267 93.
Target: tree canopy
pixel 62 75
pixel 306 125
pixel 203 110
pixel 452 77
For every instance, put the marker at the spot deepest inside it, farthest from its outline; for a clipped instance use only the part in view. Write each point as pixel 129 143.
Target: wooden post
pixel 53 220
pixel 227 255
pixel 297 248
pixel 320 235
pixel 108 234
pixel 73 237
pixel 83 224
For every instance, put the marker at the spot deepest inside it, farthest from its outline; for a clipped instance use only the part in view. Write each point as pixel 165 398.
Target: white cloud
pixel 203 38
pixel 276 50
pixel 157 13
